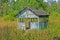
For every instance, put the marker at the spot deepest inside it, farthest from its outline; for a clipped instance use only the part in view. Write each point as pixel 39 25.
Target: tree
pixel 1 9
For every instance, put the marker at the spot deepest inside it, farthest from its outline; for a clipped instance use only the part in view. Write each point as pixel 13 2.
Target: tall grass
pixel 11 33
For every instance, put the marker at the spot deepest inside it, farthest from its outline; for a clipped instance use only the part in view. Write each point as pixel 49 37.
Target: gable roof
pixel 37 12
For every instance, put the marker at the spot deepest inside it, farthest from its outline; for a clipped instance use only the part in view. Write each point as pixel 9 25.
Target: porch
pixel 31 23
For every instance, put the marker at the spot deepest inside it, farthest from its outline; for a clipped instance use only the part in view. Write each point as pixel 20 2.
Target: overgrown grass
pixel 54 25
pixel 12 33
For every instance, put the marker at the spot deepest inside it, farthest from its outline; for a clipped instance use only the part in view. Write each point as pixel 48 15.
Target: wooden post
pixel 38 22
pixel 17 23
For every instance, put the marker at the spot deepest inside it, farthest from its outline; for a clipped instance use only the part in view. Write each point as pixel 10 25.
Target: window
pixel 43 24
pixel 34 25
pixel 21 25
pixel 34 19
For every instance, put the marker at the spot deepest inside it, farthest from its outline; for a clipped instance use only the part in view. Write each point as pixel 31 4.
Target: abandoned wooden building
pixel 30 18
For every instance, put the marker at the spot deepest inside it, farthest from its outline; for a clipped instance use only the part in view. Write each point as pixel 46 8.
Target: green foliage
pixel 11 9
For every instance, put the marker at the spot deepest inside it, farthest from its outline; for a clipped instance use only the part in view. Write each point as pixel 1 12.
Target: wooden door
pixel 27 24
